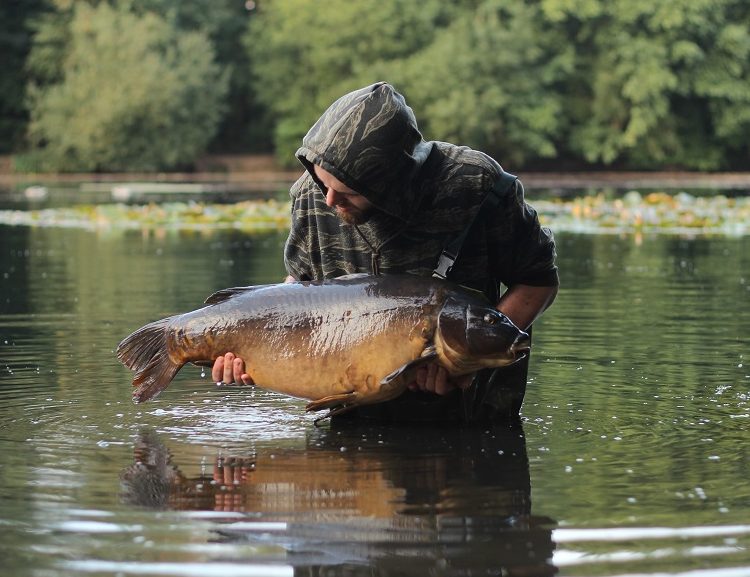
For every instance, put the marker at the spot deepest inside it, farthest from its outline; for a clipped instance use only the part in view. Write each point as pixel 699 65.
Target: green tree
pixel 245 124
pixel 492 80
pixel 657 83
pixel 630 83
pixel 486 73
pixel 146 84
pixel 306 54
pixel 15 43
pixel 136 94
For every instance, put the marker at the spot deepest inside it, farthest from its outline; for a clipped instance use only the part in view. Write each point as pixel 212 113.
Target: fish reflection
pixel 452 501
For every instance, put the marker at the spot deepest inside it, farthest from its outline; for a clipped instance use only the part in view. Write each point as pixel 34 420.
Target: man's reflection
pixel 454 500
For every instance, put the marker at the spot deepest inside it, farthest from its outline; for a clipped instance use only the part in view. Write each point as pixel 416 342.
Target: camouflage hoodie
pixel 425 194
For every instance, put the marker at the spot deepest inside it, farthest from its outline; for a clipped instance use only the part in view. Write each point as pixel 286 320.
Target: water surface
pixel 631 459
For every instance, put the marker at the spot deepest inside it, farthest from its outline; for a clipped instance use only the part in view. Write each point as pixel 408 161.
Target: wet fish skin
pixel 340 343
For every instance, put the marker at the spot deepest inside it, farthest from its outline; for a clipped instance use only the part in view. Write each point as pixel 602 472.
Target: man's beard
pixel 353 215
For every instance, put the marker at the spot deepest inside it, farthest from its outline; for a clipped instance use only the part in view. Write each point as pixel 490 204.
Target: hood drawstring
pixel 375 260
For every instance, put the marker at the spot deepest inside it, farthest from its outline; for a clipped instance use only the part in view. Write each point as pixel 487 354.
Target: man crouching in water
pixel 377 198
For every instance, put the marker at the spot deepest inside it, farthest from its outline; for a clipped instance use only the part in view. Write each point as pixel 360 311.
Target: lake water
pixel 632 458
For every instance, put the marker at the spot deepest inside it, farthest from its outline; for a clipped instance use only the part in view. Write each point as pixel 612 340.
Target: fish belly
pixel 360 368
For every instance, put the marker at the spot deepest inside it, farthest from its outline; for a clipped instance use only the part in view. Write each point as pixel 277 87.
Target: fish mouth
pixel 521 348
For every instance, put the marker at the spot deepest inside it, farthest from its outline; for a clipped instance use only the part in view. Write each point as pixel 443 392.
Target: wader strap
pixel 452 250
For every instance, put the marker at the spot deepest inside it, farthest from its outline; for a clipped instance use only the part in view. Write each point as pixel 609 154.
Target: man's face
pixel 350 206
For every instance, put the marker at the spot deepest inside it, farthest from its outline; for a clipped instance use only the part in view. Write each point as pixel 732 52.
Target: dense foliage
pixel 138 84
pixel 627 82
pixel 136 94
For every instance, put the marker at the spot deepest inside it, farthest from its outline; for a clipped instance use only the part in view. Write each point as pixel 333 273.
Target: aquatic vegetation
pixel 657 212
pixel 256 215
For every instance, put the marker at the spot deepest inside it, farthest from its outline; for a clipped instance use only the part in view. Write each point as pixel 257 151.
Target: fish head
pixel 470 337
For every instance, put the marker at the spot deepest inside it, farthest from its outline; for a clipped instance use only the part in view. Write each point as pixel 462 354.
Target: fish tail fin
pixel 145 352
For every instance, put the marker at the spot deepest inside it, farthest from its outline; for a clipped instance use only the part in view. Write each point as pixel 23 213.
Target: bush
pixel 136 95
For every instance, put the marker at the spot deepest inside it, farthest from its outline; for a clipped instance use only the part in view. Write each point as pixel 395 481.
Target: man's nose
pixel 332 197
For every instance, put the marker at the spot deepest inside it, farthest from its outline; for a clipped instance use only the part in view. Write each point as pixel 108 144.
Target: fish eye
pixel 489 318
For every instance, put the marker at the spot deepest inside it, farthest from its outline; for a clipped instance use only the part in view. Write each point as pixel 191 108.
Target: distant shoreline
pixel 260 172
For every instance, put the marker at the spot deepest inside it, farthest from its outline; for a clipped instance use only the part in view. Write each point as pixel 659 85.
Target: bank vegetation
pixel 153 85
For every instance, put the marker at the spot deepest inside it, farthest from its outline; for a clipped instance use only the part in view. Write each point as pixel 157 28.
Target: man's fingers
pixel 217 371
pixel 228 376
pixel 431 382
pixel 421 378
pixel 442 386
pixel 432 378
pixel 238 369
pixel 230 369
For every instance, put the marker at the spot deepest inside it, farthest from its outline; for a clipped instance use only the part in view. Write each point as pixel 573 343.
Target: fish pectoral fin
pixel 331 401
pixel 405 373
pixel 430 352
pixel 203 363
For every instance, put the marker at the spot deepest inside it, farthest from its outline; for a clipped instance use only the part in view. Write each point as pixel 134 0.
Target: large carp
pixel 341 343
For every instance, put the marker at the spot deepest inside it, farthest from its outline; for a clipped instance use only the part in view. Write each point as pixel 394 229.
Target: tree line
pixel 134 85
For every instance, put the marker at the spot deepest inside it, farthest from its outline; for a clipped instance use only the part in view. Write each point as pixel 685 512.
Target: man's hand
pixel 432 378
pixel 230 369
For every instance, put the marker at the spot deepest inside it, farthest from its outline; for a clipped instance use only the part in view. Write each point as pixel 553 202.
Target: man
pixel 377 198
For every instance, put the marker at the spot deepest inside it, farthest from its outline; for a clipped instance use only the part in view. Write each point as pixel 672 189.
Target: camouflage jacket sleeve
pixel 532 258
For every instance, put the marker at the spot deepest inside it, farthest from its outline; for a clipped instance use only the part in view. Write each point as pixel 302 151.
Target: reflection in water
pixel 454 501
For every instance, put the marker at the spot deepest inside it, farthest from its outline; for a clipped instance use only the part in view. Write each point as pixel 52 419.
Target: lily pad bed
pixel 252 216
pixel 657 212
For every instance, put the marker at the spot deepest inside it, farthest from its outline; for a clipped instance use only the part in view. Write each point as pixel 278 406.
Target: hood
pixel 369 140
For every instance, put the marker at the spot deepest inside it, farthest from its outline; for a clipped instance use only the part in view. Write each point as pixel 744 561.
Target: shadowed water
pixel 632 457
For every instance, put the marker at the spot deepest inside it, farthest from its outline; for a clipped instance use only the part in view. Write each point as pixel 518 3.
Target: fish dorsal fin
pixel 227 293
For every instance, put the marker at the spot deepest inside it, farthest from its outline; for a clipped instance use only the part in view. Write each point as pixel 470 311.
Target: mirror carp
pixel 340 343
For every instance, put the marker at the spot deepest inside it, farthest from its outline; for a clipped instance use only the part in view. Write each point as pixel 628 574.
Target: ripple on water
pixel 678 550
pixel 214 416
pixel 214 569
